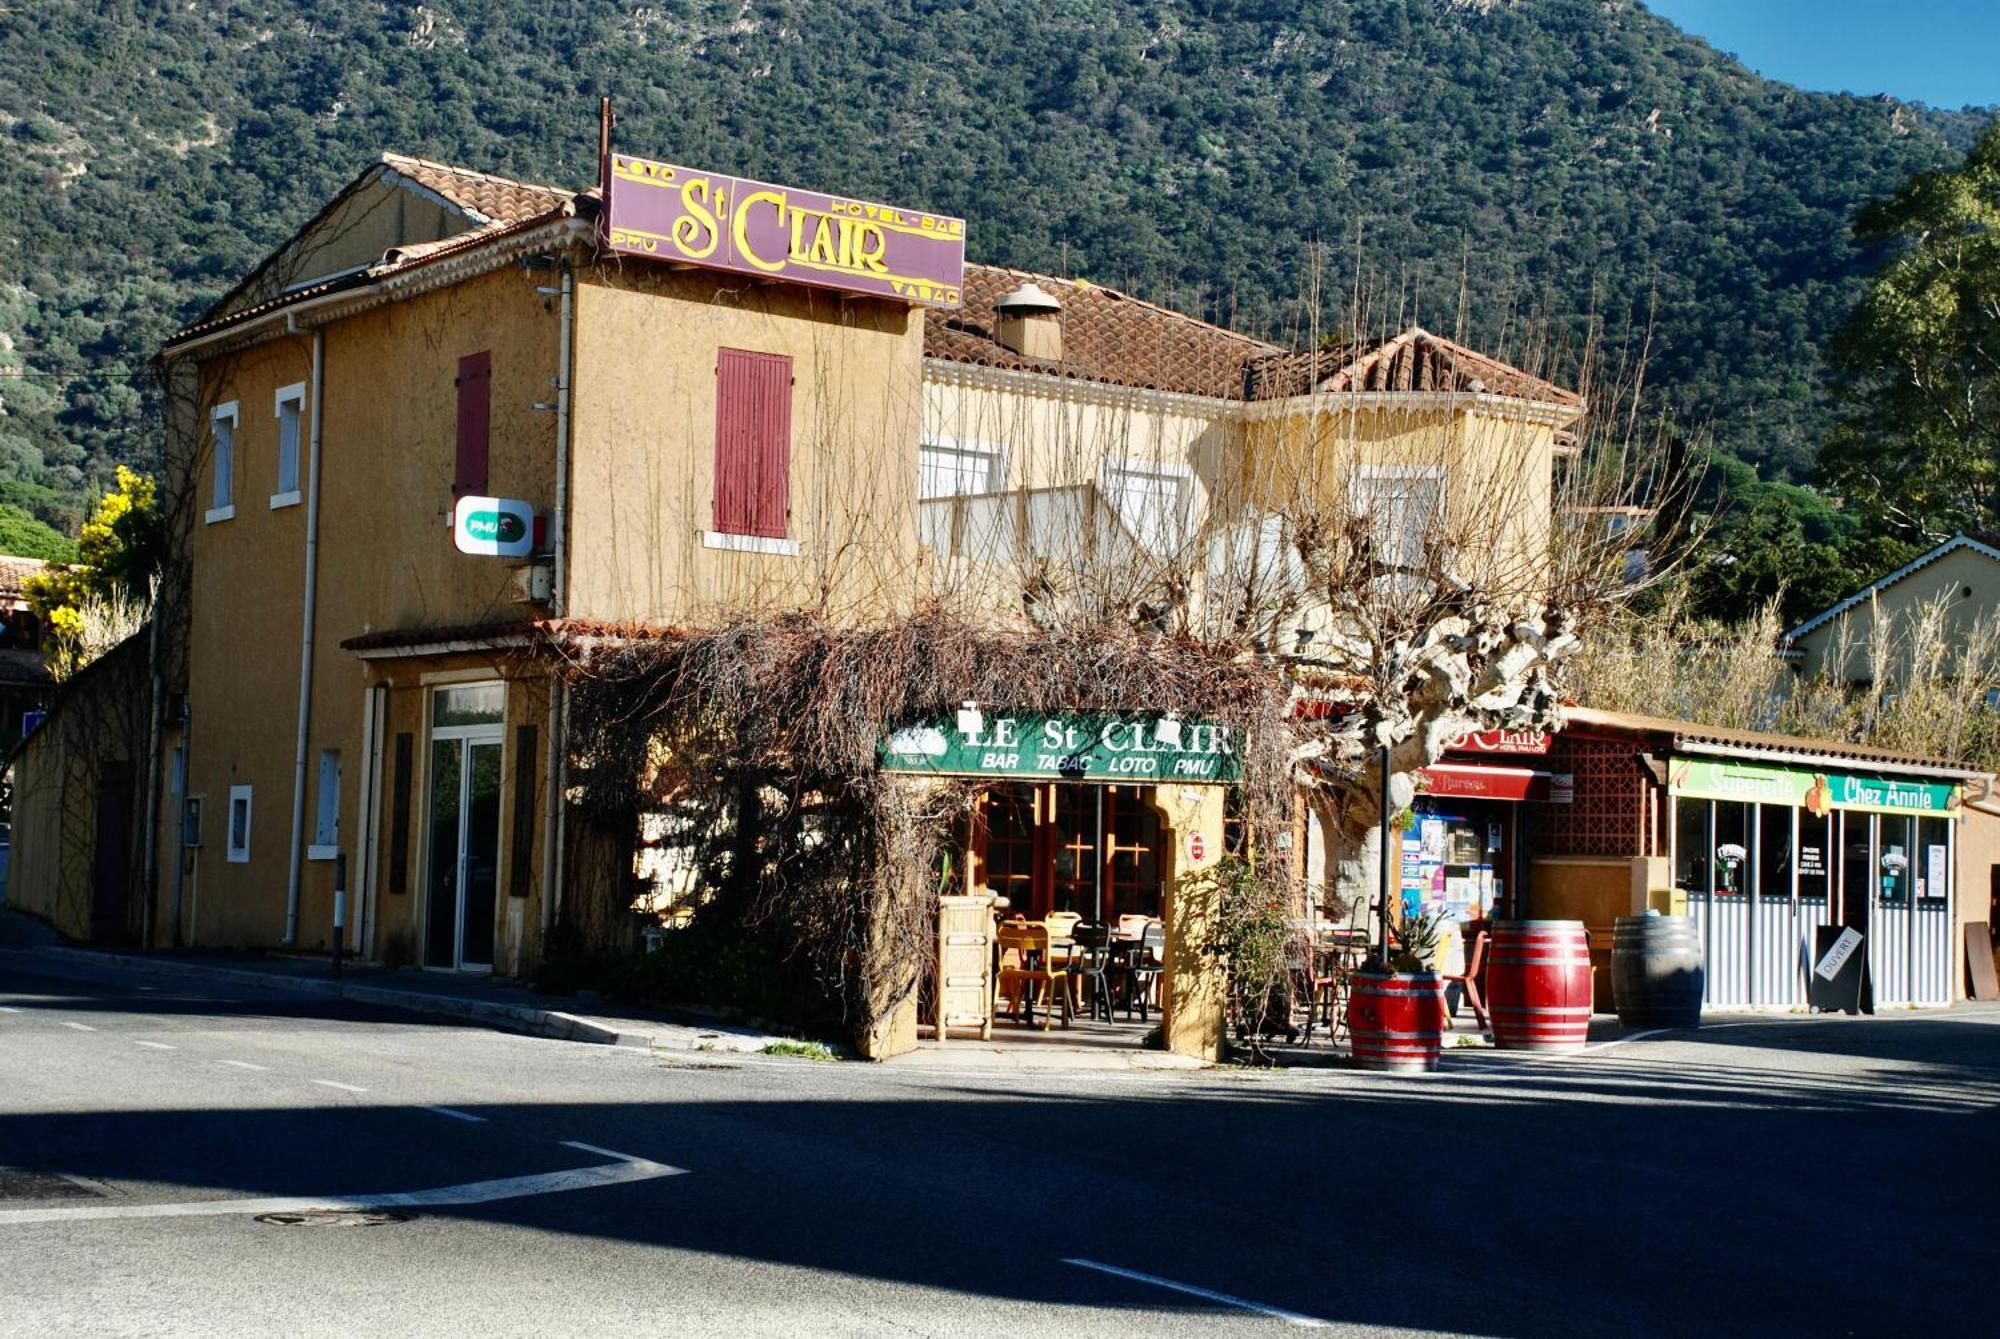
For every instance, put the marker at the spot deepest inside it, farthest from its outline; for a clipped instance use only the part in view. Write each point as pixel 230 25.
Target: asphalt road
pixel 169 1158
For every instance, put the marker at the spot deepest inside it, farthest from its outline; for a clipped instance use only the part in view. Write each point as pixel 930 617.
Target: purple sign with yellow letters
pixel 751 227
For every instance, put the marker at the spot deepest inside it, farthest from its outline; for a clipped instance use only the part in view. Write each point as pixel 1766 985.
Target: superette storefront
pixel 1766 853
pixel 1763 840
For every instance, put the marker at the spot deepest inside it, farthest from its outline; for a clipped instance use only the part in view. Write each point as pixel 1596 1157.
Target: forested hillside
pixel 1551 156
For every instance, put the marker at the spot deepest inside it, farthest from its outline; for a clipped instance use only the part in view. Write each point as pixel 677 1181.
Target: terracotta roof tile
pixel 14 573
pixel 507 635
pixel 1753 741
pixel 480 634
pixel 1108 336
pixel 1415 360
pixel 497 200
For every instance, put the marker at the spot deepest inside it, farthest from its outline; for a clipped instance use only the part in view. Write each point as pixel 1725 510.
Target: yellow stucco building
pixel 447 422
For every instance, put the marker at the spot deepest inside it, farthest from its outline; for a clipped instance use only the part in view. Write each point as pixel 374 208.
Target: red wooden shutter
pixel 475 415
pixel 753 443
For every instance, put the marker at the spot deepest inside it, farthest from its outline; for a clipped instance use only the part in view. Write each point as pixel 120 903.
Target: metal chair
pixel 1090 969
pixel 1144 963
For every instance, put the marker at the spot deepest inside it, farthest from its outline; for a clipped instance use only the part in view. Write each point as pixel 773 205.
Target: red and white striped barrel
pixel 1538 985
pixel 1397 1020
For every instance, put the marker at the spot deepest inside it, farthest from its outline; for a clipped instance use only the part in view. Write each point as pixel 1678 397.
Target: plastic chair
pixel 1024 964
pixel 1468 981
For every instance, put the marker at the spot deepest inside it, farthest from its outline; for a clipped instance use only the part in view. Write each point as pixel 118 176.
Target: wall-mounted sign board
pixel 691 217
pixel 1816 792
pixel 1476 781
pixel 493 527
pixel 1083 747
pixel 1500 741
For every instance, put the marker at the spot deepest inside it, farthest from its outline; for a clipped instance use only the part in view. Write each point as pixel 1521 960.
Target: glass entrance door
pixel 1054 846
pixel 463 871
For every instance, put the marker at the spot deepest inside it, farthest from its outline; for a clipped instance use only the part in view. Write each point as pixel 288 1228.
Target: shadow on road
pixel 1698 1188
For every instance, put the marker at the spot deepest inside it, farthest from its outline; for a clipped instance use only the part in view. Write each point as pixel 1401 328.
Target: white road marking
pixel 622 1172
pixel 8 1009
pixel 1620 1041
pixel 152 1045
pixel 344 1087
pixel 1276 1313
pixel 457 1115
pixel 80 1027
pixel 245 1064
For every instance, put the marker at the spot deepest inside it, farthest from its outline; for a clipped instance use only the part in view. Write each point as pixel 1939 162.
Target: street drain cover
pixel 334 1218
pixel 17 1183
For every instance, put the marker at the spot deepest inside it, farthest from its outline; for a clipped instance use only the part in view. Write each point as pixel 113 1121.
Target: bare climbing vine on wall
pixel 761 738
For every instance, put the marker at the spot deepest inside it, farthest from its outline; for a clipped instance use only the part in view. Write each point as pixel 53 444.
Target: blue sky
pixel 1943 52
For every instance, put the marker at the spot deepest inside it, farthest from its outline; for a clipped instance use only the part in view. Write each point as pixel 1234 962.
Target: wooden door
pixel 111 858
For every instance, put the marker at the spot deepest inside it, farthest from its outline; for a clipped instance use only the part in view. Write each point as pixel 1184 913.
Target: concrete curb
pixel 550 1023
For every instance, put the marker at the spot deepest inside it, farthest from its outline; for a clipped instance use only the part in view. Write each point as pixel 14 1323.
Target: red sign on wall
pixel 1197 846
pixel 1501 741
pixel 1499 783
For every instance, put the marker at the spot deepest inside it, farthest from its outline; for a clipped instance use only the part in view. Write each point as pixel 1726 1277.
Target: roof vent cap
pixel 1027 300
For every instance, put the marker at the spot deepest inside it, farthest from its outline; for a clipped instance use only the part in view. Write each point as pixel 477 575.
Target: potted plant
pixel 1246 931
pixel 1395 1010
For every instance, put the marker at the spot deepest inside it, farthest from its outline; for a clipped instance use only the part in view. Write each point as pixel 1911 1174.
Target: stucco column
pixel 1193 992
pixel 893 1034
pixel 899 898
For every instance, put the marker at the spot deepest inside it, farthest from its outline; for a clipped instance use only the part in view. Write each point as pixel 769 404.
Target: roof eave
pixel 561 226
pixel 1880 584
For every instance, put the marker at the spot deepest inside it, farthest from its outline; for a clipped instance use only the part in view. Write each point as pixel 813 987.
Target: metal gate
pixel 1724 923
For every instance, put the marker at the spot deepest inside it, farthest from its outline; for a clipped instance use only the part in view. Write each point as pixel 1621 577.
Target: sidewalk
pixel 29 946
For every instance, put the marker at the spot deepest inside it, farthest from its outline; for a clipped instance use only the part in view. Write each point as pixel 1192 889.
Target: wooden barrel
pixel 1396 1020
pixel 1656 971
pixel 1538 985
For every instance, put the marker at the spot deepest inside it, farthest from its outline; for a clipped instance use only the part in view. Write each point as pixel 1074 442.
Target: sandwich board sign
pixel 1838 970
pixel 493 527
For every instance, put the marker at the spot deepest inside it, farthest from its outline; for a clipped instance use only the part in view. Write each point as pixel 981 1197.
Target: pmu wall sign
pixel 752 227
pixel 493 527
pixel 1084 747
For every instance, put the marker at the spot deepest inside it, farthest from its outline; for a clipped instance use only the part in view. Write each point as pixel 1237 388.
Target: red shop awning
pixel 1477 782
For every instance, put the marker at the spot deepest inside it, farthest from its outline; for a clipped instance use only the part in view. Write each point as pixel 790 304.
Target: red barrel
pixel 1397 1020
pixel 1538 985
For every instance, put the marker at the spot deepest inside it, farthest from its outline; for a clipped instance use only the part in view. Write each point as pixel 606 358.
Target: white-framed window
pixel 222 421
pixel 326 821
pixel 1404 505
pixel 1151 498
pixel 954 467
pixel 239 825
pixel 291 411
